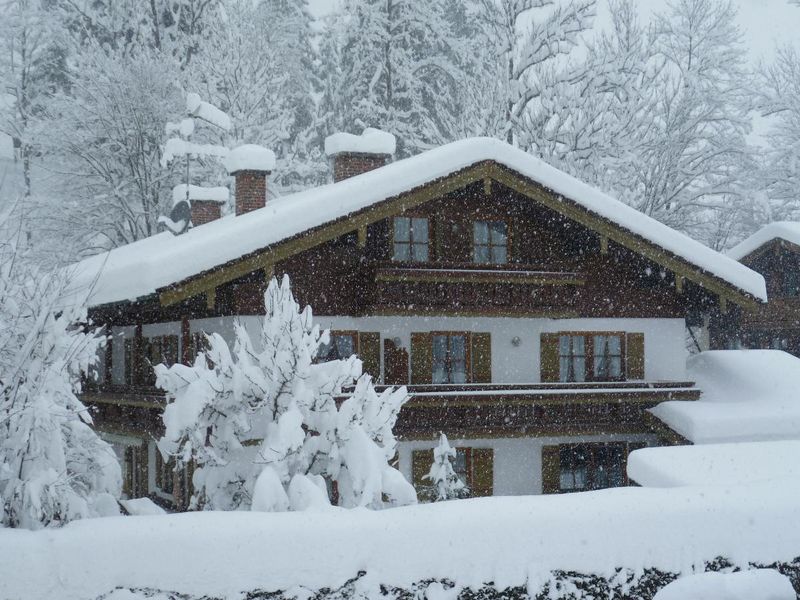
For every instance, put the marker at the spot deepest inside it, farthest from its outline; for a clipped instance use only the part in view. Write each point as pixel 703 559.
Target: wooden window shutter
pixel 421 358
pixel 634 356
pixel 549 366
pixel 421 461
pixel 482 472
pixel 551 469
pixel 369 351
pixel 481 352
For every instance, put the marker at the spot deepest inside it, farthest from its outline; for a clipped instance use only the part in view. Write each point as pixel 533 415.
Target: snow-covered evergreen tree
pixel 53 466
pixel 261 421
pixel 445 482
pixel 397 71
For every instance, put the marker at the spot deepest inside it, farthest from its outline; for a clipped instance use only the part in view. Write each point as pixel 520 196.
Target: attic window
pixel 490 242
pixel 410 239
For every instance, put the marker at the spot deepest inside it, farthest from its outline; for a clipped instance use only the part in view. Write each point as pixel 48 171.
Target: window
pixel 590 357
pixel 607 358
pixel 340 346
pixel 490 242
pixel 449 358
pixel 572 358
pixel 411 239
pixel 158 350
pixel 791 283
pixel 591 466
pixel 474 466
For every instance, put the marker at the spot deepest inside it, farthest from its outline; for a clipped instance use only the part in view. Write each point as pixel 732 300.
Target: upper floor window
pixel 595 357
pixel 791 283
pixel 490 242
pixel 411 239
pixel 449 358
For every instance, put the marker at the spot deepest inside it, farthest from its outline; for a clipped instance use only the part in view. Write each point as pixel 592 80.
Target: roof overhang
pixel 486 171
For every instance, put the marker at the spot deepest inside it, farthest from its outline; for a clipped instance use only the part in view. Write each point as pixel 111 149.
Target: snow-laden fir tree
pixel 445 482
pixel 262 425
pixel 53 466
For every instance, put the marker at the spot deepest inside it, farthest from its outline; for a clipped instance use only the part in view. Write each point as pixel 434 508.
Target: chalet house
pixel 773 251
pixel 533 318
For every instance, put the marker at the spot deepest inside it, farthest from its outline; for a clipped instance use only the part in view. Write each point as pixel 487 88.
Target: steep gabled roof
pixel 788 231
pixel 165 263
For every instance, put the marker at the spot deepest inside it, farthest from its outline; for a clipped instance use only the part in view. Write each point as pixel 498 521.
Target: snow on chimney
pixel 206 202
pixel 356 154
pixel 250 165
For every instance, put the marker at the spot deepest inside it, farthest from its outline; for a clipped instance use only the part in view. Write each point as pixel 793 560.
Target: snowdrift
pixel 502 541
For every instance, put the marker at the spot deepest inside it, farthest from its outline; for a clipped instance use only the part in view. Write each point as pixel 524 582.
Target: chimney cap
pixel 250 157
pixel 197 192
pixel 371 141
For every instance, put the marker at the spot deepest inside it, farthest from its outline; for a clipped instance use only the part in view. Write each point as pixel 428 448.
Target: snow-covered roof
pixel 757 584
pixel 142 268
pixel 371 141
pixel 779 230
pixel 715 464
pixel 747 396
pixel 196 192
pixel 249 157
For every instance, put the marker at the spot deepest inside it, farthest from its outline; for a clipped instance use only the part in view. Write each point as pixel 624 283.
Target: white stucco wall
pixel 517 461
pixel 664 339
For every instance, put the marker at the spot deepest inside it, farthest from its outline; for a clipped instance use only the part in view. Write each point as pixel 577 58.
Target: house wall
pixel 517 464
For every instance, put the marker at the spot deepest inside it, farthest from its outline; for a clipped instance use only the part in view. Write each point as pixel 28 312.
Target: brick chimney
pixel 356 154
pixel 205 202
pixel 250 165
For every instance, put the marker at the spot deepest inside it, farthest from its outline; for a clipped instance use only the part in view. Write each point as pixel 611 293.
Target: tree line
pixel 658 111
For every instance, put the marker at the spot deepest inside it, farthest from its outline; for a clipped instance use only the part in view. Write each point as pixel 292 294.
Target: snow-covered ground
pixel 508 541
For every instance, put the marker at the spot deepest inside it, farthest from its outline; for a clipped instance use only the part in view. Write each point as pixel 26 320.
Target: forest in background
pixel 658 112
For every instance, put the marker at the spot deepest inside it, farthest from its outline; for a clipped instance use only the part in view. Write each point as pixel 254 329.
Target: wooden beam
pixel 211 298
pixel 679 283
pixel 603 245
pixel 723 305
pixel 362 236
pixel 487 186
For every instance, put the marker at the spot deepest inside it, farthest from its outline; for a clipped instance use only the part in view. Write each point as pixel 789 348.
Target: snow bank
pixel 250 157
pixel 758 584
pixel 748 395
pixel 371 141
pixel 505 540
pixel 196 192
pixel 714 464
pixel 779 230
pixel 163 261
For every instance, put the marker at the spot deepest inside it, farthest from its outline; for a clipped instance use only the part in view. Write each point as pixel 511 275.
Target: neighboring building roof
pixel 715 464
pixel 779 230
pixel 756 584
pixel 747 396
pixel 144 267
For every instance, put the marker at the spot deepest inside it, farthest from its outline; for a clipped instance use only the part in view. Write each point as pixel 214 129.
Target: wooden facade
pixel 558 262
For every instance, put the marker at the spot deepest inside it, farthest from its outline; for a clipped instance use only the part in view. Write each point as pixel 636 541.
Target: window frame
pixel 352 333
pixel 591 451
pixel 489 245
pixel 411 243
pixel 589 355
pixel 448 362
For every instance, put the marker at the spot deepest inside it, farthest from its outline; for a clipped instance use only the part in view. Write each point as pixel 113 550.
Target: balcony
pixel 484 288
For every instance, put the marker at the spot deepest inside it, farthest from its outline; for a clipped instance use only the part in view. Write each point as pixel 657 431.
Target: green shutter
pixel 634 354
pixel 549 368
pixel 421 358
pixel 482 472
pixel 421 461
pixel 481 352
pixel 551 470
pixel 369 350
